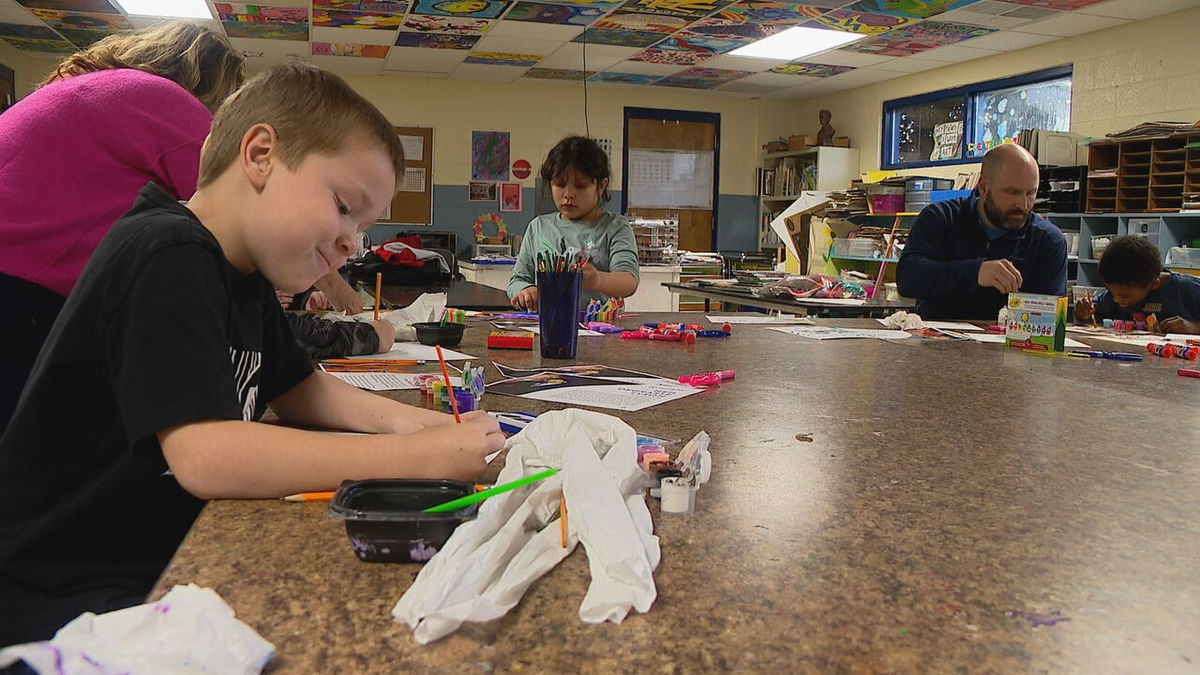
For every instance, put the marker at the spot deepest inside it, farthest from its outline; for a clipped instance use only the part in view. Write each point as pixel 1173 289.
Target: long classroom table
pixel 959 508
pixel 812 306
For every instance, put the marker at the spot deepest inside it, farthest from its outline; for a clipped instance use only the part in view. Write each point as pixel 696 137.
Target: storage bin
pixel 885 198
pixel 857 247
pixel 928 184
pixel 1183 256
pixel 1072 243
pixel 1099 243
pixel 385 520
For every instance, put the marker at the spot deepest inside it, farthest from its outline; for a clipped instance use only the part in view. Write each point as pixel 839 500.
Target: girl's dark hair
pixel 1130 260
pixel 579 153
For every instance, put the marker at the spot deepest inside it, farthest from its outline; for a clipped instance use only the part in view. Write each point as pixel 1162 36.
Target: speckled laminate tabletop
pixel 959 509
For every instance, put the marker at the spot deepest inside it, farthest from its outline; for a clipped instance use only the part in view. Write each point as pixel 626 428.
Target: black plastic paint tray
pixel 385 522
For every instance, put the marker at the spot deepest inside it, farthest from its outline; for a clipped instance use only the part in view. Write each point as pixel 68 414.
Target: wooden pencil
pixel 378 285
pixel 562 508
pixel 449 387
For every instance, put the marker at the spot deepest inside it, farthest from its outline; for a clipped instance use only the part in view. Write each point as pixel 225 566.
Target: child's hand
pixel 526 300
pixel 1000 275
pixel 1085 308
pixel 318 301
pixel 284 298
pixel 464 446
pixel 590 276
pixel 387 334
pixel 1177 324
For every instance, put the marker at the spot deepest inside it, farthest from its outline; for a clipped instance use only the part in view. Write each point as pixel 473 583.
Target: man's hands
pixel 1000 275
pixel 526 300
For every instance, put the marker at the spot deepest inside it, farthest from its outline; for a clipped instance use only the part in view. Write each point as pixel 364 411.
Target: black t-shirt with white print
pixel 160 331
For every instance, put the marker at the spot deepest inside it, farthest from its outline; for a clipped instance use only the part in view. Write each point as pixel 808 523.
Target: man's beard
pixel 1007 220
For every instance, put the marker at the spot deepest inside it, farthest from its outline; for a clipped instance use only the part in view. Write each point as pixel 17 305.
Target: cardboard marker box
pixel 1036 322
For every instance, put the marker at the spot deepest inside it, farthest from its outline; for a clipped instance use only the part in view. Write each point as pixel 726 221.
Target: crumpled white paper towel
pixel 190 630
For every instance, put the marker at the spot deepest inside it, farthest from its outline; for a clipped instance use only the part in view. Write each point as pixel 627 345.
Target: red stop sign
pixel 521 168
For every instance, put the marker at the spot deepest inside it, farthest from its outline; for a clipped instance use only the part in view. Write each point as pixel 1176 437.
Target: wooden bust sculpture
pixel 825 134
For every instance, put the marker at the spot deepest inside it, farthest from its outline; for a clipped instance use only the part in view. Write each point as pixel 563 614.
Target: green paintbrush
pixel 456 504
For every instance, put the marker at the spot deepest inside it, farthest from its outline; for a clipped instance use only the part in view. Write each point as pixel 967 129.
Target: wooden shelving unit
pixel 1143 175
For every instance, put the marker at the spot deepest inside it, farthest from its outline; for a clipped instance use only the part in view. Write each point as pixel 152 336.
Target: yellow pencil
pixel 378 284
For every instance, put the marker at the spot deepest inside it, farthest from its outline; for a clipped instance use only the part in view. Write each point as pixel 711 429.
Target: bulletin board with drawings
pixel 413 203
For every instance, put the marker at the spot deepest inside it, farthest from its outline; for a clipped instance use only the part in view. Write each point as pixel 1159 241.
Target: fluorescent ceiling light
pixel 797 42
pixel 179 9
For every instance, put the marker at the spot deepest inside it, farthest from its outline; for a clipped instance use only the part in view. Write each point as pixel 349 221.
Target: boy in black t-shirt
pixel 144 401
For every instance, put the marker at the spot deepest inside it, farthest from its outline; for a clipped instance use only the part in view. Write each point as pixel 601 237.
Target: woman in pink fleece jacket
pixel 130 109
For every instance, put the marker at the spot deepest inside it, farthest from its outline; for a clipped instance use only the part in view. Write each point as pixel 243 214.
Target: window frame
pixel 968 93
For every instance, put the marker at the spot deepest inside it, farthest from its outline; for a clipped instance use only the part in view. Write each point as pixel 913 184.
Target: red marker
pixel 1187 372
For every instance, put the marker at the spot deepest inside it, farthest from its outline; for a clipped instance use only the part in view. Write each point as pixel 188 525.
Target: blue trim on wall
pixel 967 92
pixel 453 212
pixel 675 116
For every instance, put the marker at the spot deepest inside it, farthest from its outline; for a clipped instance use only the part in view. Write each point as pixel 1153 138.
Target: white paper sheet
pixel 943 325
pixel 418 351
pixel 999 338
pixel 782 320
pixel 379 381
pixel 831 333
pixel 603 393
pixel 414 148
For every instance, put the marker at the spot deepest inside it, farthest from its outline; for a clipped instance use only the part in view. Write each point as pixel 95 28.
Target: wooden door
pixel 695 225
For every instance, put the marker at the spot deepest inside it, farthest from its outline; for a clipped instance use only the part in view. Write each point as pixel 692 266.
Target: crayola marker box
pixel 1037 322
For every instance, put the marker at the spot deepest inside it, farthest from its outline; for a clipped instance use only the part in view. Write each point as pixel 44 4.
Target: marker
pixel 1115 356
pixel 308 497
pixel 1188 372
pixel 456 504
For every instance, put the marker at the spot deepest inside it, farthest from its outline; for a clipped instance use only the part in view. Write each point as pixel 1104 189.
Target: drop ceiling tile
pixel 643 68
pixel 953 54
pixel 1137 10
pixel 535 31
pixel 729 62
pixel 838 57
pixel 353 36
pixel 864 76
pixel 412 59
pixel 909 65
pixel 1008 41
pixel 484 73
pixel 1069 24
pixel 495 43
pixel 776 80
pixel 349 64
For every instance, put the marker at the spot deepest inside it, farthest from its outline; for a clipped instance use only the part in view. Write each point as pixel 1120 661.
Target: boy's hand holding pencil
pixel 1085 308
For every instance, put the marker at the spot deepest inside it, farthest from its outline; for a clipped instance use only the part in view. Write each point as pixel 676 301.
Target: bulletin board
pixel 413 203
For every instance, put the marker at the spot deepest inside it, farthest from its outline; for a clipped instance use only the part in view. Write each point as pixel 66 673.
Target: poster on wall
pixel 489 155
pixel 510 197
pixel 481 192
pixel 947 141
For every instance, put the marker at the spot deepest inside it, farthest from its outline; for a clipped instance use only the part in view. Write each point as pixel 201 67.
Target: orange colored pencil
pixel 378 284
pixel 449 387
pixel 309 497
pixel 562 508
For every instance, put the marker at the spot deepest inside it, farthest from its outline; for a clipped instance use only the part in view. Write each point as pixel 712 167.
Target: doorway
pixel 669 167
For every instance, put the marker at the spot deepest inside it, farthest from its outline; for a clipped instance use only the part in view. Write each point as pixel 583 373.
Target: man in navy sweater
pixel 965 255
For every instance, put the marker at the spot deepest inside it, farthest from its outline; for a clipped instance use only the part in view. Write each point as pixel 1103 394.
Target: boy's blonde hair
pixel 192 56
pixel 311 110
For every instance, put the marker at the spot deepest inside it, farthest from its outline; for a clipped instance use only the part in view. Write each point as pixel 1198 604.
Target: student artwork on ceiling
pixel 744 31
pixel 687 51
pixel 481 192
pixel 618 38
pixel 554 74
pixel 510 197
pixel 478 9
pixel 504 59
pixel 83 28
pixel 101 6
pixel 328 19
pixel 625 78
pixel 691 9
pixel 381 7
pixel 422 23
pixel 357 51
pixel 542 12
pixel 34 39
pixel 702 78
pixel 489 155
pixel 914 9
pixel 436 40
pixel 918 38
pixel 859 22
pixel 646 23
pixel 263 21
pixel 811 69
pixel 767 13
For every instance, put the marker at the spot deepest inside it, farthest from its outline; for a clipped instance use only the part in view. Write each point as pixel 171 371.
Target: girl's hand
pixel 591 276
pixel 318 301
pixel 284 298
pixel 526 300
